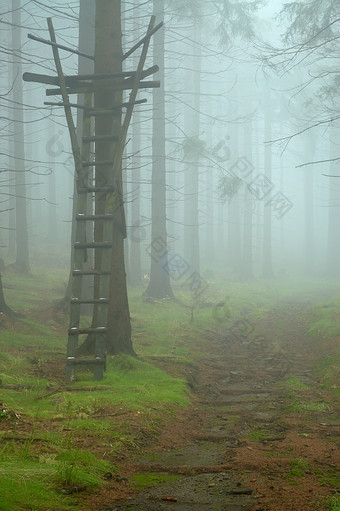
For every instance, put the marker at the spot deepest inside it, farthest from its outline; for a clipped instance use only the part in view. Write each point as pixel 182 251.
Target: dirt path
pixel 248 442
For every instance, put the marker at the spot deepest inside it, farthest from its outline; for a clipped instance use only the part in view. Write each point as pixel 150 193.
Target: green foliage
pixel 236 20
pixel 192 9
pixel 311 21
pixel 228 187
pixel 193 148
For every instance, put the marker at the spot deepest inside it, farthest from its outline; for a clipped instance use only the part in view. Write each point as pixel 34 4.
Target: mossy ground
pixel 54 437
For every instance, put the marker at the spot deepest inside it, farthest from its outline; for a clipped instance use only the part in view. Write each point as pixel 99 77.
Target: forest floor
pixel 261 434
pixel 261 431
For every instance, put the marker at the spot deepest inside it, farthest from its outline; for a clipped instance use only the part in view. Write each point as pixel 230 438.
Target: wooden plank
pixel 93 112
pixel 97 330
pixel 98 273
pixel 94 218
pixel 99 138
pixel 88 300
pixel 144 39
pixel 61 46
pixel 73 80
pixel 126 85
pixel 60 103
pixel 67 108
pixel 124 129
pixel 93 244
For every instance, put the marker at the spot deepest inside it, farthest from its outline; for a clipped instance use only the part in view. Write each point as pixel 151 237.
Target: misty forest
pixel 170 255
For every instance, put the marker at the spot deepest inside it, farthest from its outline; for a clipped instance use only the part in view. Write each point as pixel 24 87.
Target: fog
pixel 246 127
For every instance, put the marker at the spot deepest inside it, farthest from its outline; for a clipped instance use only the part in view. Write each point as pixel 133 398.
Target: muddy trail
pixel 247 442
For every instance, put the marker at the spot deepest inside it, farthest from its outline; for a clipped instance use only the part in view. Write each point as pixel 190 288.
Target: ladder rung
pixel 100 138
pixel 91 189
pixel 90 272
pixel 97 330
pixel 93 244
pixel 98 112
pixel 97 163
pixel 94 112
pixel 84 361
pixel 89 300
pixel 94 217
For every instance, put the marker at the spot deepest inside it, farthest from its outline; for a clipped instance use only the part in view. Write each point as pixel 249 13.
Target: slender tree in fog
pixel 193 147
pixel 159 284
pixel 22 257
pixel 135 266
pixel 267 264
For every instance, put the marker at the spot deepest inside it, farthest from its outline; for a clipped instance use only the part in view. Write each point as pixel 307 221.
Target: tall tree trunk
pixel 159 284
pixel 247 254
pixel 135 267
pixel 191 175
pixel 4 309
pixel 52 233
pixel 22 256
pixel 333 252
pixel 267 265
pixel 234 240
pixel 309 207
pixel 108 58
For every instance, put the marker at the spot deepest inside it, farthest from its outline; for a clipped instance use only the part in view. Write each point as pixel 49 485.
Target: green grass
pixel 333 503
pixel 75 467
pixel 294 383
pixel 148 479
pixel 258 435
pixel 29 481
pixel 298 469
pixel 312 406
pixel 133 385
pixel 326 320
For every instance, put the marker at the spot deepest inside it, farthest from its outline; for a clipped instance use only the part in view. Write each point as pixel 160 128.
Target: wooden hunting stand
pixel 89 185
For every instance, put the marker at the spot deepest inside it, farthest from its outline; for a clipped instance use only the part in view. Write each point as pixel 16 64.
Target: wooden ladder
pixel 102 247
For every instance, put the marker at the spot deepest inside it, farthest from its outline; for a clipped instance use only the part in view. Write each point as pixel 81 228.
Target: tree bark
pixel 191 173
pixel 333 252
pixel 267 265
pixel 159 284
pixel 22 255
pixel 4 309
pixel 135 267
pixel 85 66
